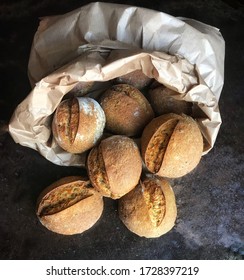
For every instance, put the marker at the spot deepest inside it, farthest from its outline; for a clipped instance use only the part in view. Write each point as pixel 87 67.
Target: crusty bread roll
pixel 78 124
pixel 171 145
pixel 127 110
pixel 164 100
pixel 135 78
pixel 69 206
pixel 149 210
pixel 114 166
pixel 81 88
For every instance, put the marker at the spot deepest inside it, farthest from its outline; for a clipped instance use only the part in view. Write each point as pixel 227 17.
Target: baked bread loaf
pixel 171 145
pixel 149 210
pixel 127 110
pixel 114 166
pixel 78 124
pixel 69 206
pixel 164 100
pixel 136 79
pixel 81 88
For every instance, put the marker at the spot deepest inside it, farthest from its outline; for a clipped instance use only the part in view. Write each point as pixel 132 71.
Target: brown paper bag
pixel 101 41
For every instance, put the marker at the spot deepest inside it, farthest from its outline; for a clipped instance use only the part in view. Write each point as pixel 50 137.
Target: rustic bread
pixel 171 145
pixel 81 88
pixel 114 166
pixel 164 100
pixel 135 78
pixel 127 110
pixel 78 124
pixel 69 206
pixel 149 210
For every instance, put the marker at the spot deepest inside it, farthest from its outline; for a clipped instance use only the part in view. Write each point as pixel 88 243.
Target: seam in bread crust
pixel 158 144
pixel 97 171
pixel 155 201
pixel 63 197
pixel 74 119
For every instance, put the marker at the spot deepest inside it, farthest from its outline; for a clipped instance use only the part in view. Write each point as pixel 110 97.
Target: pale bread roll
pixel 78 124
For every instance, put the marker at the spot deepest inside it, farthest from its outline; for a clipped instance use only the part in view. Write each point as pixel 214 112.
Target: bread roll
pixel 78 124
pixel 81 88
pixel 127 110
pixel 149 210
pixel 69 206
pixel 164 100
pixel 171 145
pixel 114 166
pixel 136 79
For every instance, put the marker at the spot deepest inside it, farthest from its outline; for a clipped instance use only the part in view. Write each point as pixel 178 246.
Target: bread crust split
pixel 78 124
pixel 149 210
pixel 115 166
pixel 69 206
pixel 171 145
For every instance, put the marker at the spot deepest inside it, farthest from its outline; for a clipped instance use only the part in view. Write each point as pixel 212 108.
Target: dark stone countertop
pixel 210 199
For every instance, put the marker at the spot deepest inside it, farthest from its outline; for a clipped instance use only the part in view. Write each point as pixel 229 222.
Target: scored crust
pixel 78 124
pixel 97 172
pixel 115 166
pixel 171 145
pixel 157 145
pixel 149 214
pixel 155 201
pixel 155 138
pixel 184 149
pixel 65 122
pixel 69 206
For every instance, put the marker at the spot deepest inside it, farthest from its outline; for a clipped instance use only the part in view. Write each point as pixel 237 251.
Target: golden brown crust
pixel 164 100
pixel 155 201
pixel 97 171
pixel 69 206
pixel 127 110
pixel 184 149
pixel 158 123
pixel 171 145
pixel 136 78
pixel 78 124
pixel 149 210
pixel 121 166
pixel 157 145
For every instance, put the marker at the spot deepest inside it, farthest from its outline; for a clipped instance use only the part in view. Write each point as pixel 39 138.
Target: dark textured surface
pixel 210 200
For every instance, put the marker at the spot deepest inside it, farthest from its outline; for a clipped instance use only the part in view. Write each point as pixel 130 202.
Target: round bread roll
pixel 127 110
pixel 81 88
pixel 149 210
pixel 171 145
pixel 114 166
pixel 163 101
pixel 69 206
pixel 136 79
pixel 78 124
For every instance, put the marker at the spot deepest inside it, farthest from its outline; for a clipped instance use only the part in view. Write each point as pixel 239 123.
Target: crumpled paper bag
pixel 101 41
